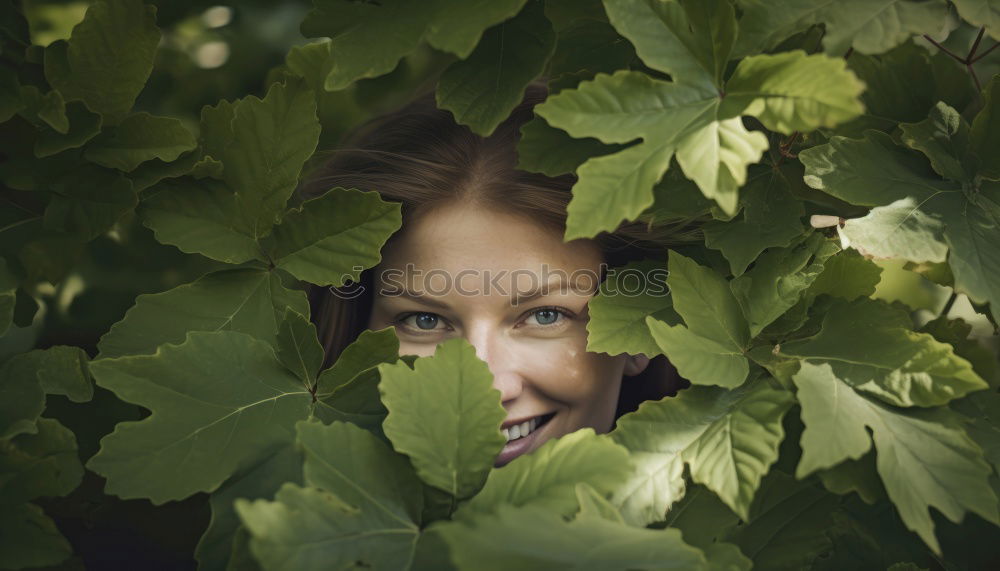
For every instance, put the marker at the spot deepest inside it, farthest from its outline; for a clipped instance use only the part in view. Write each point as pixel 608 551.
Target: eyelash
pixel 564 313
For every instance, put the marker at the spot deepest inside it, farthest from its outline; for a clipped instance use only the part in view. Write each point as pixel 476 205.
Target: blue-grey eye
pixel 546 316
pixel 426 320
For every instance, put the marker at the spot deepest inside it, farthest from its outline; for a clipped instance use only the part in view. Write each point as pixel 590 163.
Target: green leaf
pixel 956 333
pixel 265 147
pixel 330 239
pixel 217 545
pixel 677 199
pixel 44 110
pixel 200 217
pixel 847 275
pixel 552 152
pixel 702 297
pixel 972 230
pixel 983 137
pixel 21 396
pixel 709 350
pixel 482 90
pixel 866 26
pixel 771 217
pixel 924 457
pixel 297 347
pixel 63 370
pixel 729 439
pixel 363 356
pixel 28 538
pixel 789 524
pixel 773 88
pixel 313 529
pixel 139 138
pixel 108 58
pixel 778 280
pixel 984 13
pixel 44 464
pixel 594 505
pixel 362 471
pixel 369 39
pixel 153 171
pixel 535 539
pixel 348 391
pixel 890 98
pixel 689 40
pixel 10 95
pixel 236 408
pixel 246 300
pixel 700 360
pixel 870 172
pixel 445 415
pixel 877 27
pixel 549 476
pixel 83 126
pixel 871 347
pixel 8 296
pixel 587 46
pixel 944 139
pixel 702 517
pixel 670 118
pixel 859 476
pixel 89 201
pixel 898 230
pixel 617 321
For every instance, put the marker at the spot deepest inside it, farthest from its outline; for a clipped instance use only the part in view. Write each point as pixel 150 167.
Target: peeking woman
pixel 481 255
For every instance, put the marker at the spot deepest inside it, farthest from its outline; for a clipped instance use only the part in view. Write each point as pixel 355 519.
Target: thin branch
pixel 986 53
pixel 944 49
pixel 975 45
pixel 972 72
pixel 948 304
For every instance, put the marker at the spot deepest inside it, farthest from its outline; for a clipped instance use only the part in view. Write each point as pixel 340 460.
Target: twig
pixel 944 49
pixel 948 304
pixel 975 45
pixel 984 54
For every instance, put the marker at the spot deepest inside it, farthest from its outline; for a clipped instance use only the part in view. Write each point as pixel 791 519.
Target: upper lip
pixel 509 423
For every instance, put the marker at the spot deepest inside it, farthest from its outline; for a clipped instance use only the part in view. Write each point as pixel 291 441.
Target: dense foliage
pixel 825 427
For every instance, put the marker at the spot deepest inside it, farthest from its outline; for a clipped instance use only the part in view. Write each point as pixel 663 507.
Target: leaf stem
pixel 984 54
pixel 944 49
pixel 948 304
pixel 975 78
pixel 975 45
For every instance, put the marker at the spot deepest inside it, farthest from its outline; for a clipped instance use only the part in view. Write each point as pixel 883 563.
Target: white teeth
pixel 520 430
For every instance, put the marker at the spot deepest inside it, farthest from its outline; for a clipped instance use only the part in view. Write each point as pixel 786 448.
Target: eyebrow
pixel 416 297
pixel 557 285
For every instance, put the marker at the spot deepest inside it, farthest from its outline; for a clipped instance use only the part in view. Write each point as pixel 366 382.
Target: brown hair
pixel 420 157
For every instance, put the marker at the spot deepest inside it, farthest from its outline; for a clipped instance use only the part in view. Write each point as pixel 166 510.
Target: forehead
pixel 461 236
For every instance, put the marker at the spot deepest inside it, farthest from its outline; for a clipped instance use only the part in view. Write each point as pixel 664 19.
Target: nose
pixel 501 358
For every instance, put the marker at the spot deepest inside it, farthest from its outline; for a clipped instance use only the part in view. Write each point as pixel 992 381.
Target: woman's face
pixel 518 294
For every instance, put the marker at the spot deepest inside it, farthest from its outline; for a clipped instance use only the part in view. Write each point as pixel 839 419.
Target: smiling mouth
pixel 519 431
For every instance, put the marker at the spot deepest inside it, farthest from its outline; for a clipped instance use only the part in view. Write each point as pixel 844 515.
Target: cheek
pixel 568 373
